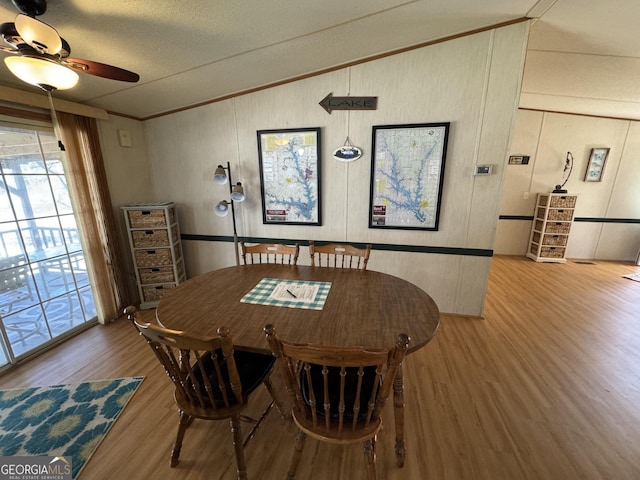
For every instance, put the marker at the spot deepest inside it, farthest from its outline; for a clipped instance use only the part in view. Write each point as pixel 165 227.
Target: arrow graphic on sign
pixel 330 103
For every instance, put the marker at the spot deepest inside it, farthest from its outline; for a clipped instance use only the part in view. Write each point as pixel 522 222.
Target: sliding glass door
pixel 44 285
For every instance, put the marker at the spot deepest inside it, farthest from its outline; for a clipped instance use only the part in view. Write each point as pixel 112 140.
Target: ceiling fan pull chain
pixel 54 120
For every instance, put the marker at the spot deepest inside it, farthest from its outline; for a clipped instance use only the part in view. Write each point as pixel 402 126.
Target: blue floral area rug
pixel 63 420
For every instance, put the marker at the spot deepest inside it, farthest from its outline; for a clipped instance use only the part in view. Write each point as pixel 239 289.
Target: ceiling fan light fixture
pixel 39 35
pixel 42 73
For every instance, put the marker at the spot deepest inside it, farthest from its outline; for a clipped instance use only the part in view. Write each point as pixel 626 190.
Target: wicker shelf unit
pixel 154 239
pixel 552 222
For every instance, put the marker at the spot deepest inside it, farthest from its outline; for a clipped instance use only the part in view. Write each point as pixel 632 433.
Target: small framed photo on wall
pixel 595 165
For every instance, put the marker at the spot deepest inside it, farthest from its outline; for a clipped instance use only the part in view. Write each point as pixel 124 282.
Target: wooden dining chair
pixel 212 380
pixel 338 393
pixel 339 255
pixel 270 253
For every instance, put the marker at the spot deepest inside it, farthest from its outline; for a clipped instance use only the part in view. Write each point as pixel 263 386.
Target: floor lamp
pixel 237 195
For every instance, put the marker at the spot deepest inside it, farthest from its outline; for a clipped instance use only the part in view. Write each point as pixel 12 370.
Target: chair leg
pixel 398 413
pixel 297 454
pixel 236 433
pixel 370 458
pixel 276 398
pixel 184 422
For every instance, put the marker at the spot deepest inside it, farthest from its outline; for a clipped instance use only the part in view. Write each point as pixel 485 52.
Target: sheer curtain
pixel 89 191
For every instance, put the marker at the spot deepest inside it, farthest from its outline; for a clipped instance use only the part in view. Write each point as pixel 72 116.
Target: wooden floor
pixel 546 386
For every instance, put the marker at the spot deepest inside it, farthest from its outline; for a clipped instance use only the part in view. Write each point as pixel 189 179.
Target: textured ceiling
pixel 192 52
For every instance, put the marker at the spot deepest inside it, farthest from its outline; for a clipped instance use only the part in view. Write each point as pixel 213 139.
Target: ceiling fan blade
pixel 101 69
pixel 39 35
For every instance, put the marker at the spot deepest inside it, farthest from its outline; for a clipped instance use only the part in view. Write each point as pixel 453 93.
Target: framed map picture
pixel 290 176
pixel 407 172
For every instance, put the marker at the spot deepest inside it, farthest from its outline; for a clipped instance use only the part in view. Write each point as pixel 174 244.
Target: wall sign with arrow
pixel 330 103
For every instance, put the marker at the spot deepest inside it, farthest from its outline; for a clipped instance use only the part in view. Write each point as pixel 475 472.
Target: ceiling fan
pixel 41 55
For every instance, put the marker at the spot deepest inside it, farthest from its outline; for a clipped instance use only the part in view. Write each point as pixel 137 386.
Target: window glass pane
pixel 63 313
pixel 53 277
pixel 51 152
pixel 61 194
pixel 71 234
pixel 79 269
pixel 31 195
pixel 4 355
pixel 10 241
pixel 17 290
pixel 20 151
pixel 43 238
pixel 87 302
pixel 6 213
pixel 26 330
pixel 54 163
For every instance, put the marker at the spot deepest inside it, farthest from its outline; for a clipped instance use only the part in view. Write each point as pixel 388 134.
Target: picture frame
pixel 595 165
pixel 407 175
pixel 290 176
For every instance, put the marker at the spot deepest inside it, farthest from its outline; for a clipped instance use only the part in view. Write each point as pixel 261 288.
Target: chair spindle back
pixel 189 362
pixel 337 389
pixel 337 255
pixel 270 253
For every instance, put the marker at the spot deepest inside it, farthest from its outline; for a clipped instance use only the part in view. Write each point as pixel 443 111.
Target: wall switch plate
pixel 124 137
pixel 483 170
pixel 525 196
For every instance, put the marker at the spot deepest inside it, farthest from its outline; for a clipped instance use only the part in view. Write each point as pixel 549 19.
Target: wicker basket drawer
pixel 150 238
pixel 554 227
pixel 153 293
pixel 560 201
pixel 552 252
pixel 559 214
pixel 153 258
pixel 566 215
pixel 150 218
pixel 555 240
pixel 563 202
pixel 157 275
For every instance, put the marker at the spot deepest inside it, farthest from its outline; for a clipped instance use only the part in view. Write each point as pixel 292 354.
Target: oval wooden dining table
pixel 363 308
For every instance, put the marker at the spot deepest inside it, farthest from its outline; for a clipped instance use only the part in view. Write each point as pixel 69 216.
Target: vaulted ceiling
pixel 195 51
